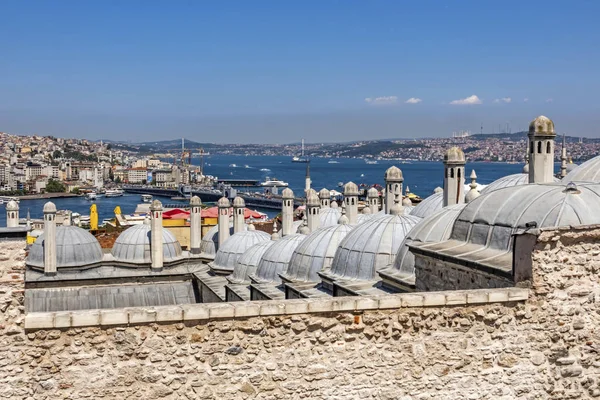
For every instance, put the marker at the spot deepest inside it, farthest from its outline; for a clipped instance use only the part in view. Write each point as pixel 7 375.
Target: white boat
pixel 273 182
pixel 147 198
pixel 265 170
pixel 113 193
pixel 91 196
pixel 233 165
pixel 333 162
pixel 300 159
pixel 371 161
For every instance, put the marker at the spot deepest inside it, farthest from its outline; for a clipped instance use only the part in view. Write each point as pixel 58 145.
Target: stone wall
pixel 544 348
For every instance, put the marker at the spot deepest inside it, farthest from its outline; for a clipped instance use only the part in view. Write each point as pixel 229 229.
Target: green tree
pixel 56 154
pixel 118 179
pixel 54 186
pixel 75 190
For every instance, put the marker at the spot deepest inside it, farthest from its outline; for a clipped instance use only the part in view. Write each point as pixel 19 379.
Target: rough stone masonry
pixel 547 347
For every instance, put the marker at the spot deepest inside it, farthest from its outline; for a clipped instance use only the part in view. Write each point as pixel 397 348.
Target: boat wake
pixel 265 170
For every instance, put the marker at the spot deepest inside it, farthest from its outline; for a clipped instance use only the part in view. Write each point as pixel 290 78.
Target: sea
pixel 421 176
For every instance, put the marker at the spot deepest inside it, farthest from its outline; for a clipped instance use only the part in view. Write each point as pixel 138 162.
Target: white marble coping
pixel 247 309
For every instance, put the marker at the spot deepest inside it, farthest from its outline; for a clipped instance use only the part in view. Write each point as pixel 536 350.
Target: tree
pixel 118 179
pixel 75 190
pixel 54 186
pixel 56 154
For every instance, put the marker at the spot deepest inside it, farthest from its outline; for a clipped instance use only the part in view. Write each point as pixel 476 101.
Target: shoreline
pixel 45 196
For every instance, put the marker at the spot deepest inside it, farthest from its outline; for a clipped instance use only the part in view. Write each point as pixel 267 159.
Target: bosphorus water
pixel 421 176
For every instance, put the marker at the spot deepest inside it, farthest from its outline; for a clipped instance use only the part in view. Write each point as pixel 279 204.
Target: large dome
pixel 75 247
pixel 315 253
pixel 133 246
pixel 329 217
pixel 248 262
pixel 210 242
pixel 589 171
pixel 509 181
pixel 276 259
pixel 371 246
pixel 429 205
pixel 234 247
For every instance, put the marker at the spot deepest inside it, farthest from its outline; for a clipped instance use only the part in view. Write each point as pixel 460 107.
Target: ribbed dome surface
pixel 371 246
pixel 491 219
pixel 133 246
pixel 316 253
pixel 248 262
pixel 75 247
pixel 429 205
pixel 508 181
pixel 210 242
pixel 364 217
pixel 276 259
pixel 589 171
pixel 234 247
pixel 329 217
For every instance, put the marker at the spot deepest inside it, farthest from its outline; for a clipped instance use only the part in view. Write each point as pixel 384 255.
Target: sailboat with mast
pixel 302 158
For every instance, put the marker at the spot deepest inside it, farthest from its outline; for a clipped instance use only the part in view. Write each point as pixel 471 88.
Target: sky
pixel 277 71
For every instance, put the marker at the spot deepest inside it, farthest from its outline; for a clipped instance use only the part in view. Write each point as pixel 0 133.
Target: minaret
pixel 195 225
pixel 49 239
pixel 541 150
pixel 307 180
pixel 223 220
pixel 238 214
pixel 325 197
pixel 287 212
pixel 12 214
pixel 393 186
pixel 313 208
pixel 473 193
pixel 351 202
pixel 563 159
pixel 373 200
pixel 156 235
pixel 454 177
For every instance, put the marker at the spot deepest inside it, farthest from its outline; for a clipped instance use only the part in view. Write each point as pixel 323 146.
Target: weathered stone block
pixel 62 319
pixel 412 300
pixel 246 309
pixel 434 299
pixel 498 296
pixel 192 312
pixel 296 307
pixel 366 303
pixel 169 314
pixel 456 298
pixel 320 305
pixel 85 318
pixel 272 308
pixel 478 297
pixel 39 321
pixel 224 310
pixel 117 316
pixel 343 304
pixel 141 315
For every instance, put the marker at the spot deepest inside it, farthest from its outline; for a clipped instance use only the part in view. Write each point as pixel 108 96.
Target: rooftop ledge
pixel 248 309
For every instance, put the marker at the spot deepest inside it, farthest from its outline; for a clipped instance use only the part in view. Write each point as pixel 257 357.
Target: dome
pixel 435 228
pixel 49 207
pixel 366 210
pixel 133 246
pixel 589 171
pixel 508 181
pixel 228 254
pixel 223 202
pixel 329 217
pixel 324 194
pixel 364 217
pixel 276 259
pixel 210 241
pixel 287 193
pixel 372 192
pixel 454 155
pixel 248 262
pixel 156 205
pixel 295 226
pixel 195 201
pixel 350 189
pixel 12 206
pixel 334 204
pixel 239 202
pixel 542 126
pixel 315 253
pixel 429 205
pixel 492 219
pixel 75 247
pixel 371 246
pixel 313 200
pixel 393 174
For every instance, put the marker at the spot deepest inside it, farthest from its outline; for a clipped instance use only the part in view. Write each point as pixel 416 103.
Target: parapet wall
pixel 412 346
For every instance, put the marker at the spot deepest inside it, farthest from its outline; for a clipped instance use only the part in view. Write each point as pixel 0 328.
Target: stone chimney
pixel 223 220
pixel 287 212
pixel 12 214
pixel 541 150
pixel 238 214
pixel 49 239
pixel 195 225
pixel 454 177
pixel 351 201
pixel 156 235
pixel 313 209
pixel 393 186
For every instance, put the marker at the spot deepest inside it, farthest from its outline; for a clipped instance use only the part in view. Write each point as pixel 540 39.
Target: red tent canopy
pixel 213 212
pixel 176 213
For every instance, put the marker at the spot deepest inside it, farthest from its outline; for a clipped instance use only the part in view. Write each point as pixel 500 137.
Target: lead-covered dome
pixel 248 262
pixel 276 259
pixel 542 125
pixel 329 217
pixel 371 246
pixel 509 181
pixel 228 254
pixel 589 171
pixel 133 246
pixel 315 253
pixel 210 242
pixel 454 155
pixel 429 205
pixel 75 247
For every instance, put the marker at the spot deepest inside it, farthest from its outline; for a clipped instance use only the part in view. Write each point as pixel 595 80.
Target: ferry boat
pixel 371 161
pixel 91 196
pixel 113 193
pixel 300 159
pixel 333 162
pixel 273 182
pixel 147 198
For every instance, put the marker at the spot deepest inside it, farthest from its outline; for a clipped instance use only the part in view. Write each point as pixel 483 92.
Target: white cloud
pixel 383 100
pixel 473 99
pixel 550 100
pixel 413 100
pixel 525 100
pixel 503 100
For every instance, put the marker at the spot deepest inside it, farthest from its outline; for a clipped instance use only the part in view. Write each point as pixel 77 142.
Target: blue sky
pixel 275 71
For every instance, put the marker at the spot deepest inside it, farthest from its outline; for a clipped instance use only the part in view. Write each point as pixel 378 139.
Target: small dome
pixel 526 168
pixel 429 205
pixel 313 200
pixel 49 207
pixel 371 246
pixel 406 202
pixel 12 206
pixel 315 253
pixel 393 174
pixel 366 210
pixel 133 246
pixel 239 202
pixel 589 171
pixel 210 242
pixel 334 204
pixel 75 247
pixel 329 217
pixel 195 201
pixel 276 259
pixel 438 190
pixel 542 126
pixel 295 226
pixel 248 262
pixel 324 194
pixel 311 191
pixel 372 193
pixel 287 193
pixel 454 155
pixel 223 202
pixel 350 189
pixel 234 247
pixel 156 205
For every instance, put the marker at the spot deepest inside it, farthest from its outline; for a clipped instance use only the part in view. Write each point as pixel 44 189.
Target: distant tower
pixel 12 214
pixel 454 176
pixel 472 194
pixel 393 186
pixel 195 225
pixel 238 214
pixel 563 159
pixel 541 150
pixel 351 202
pixel 325 197
pixel 313 208
pixel 49 243
pixel 307 180
pixel 373 200
pixel 156 234
pixel 287 212
pixel 223 220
